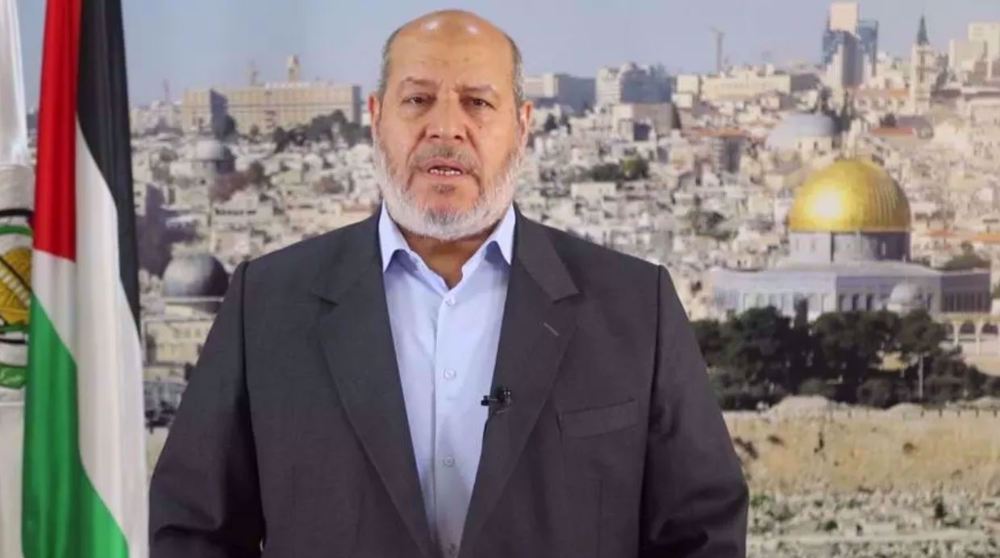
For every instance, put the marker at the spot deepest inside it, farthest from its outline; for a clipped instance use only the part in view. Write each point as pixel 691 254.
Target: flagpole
pixel 16 200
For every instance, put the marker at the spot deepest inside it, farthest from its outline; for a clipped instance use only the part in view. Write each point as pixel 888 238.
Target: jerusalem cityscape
pixel 831 227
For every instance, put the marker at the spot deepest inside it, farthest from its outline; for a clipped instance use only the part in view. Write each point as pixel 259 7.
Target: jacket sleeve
pixel 694 494
pixel 204 494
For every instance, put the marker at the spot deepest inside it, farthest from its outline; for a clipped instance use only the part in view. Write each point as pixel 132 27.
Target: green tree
pixel 606 172
pixel 876 392
pixel 550 123
pixel 635 168
pixel 919 335
pixel 734 391
pixel 816 386
pixel 280 137
pixel 255 173
pixel 320 128
pixel 757 343
pixel 710 340
pixel 849 345
pixel 337 118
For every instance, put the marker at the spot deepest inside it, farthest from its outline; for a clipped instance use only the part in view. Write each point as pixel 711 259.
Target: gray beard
pixel 409 214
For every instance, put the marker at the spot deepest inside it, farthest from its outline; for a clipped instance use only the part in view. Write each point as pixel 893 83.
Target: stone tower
pixel 922 71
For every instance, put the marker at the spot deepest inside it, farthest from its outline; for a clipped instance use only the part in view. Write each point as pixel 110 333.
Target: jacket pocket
pixel 599 420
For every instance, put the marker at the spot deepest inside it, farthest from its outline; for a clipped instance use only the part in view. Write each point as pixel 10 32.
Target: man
pixel 337 408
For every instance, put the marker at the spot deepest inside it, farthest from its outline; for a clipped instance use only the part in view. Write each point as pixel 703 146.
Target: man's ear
pixel 526 115
pixel 374 111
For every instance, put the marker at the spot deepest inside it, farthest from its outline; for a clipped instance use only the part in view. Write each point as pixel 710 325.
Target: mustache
pixel 467 160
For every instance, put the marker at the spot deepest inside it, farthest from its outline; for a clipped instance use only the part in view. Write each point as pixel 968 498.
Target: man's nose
pixel 447 121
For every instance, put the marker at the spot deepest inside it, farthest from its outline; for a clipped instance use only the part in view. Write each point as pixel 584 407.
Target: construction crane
pixel 719 36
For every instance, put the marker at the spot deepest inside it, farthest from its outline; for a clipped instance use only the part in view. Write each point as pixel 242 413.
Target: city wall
pixel 847 450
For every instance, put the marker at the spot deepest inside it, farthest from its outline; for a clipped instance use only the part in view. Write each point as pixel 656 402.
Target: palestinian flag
pixel 84 485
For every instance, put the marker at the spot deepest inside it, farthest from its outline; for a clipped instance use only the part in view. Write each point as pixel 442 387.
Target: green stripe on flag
pixel 62 515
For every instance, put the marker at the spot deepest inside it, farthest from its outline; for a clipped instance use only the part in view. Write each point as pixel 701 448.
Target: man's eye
pixel 416 100
pixel 480 103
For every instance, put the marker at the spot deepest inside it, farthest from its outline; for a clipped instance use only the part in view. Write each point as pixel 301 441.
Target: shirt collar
pixel 391 239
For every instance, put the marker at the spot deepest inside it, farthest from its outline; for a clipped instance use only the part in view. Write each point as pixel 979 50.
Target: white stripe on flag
pixel 108 359
pixel 53 280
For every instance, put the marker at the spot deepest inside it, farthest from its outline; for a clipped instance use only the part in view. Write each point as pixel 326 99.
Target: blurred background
pixel 821 178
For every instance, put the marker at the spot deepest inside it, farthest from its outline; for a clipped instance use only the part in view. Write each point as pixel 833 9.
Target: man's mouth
pixel 443 167
pixel 445 171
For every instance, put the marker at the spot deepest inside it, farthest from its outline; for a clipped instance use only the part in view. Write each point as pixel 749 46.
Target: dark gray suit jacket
pixel 293 429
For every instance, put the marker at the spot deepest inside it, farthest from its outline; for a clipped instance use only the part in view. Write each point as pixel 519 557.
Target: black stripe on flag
pixel 103 112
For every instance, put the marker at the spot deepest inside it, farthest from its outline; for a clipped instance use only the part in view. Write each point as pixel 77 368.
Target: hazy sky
pixel 197 43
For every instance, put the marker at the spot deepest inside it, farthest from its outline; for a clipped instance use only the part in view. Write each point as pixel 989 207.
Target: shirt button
pixel 449 374
pixel 449 461
pixel 450 301
pixel 453 549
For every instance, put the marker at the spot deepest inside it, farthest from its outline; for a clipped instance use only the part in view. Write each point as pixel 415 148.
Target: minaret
pixel 922 71
pixel 253 74
pixel 294 68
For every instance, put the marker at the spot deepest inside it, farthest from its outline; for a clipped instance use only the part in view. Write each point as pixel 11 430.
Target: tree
pixel 635 168
pixel 606 172
pixel 550 123
pixel 255 173
pixel 564 122
pixel 734 391
pixel 950 379
pixel 710 340
pixel 337 118
pixel 706 223
pixel 757 344
pixel 320 128
pixel 876 392
pixel 280 139
pixel 817 386
pixel 919 335
pixel 353 133
pixel 850 345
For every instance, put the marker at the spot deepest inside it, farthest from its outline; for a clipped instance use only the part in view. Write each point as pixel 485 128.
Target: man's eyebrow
pixel 418 82
pixel 479 89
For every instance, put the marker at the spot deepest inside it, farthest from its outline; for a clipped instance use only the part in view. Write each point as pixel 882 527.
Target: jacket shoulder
pixel 590 263
pixel 295 266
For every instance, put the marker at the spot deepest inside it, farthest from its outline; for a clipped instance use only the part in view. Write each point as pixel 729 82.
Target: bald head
pixel 455 27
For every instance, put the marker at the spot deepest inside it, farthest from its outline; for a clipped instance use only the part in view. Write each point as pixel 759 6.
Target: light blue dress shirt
pixel 446 346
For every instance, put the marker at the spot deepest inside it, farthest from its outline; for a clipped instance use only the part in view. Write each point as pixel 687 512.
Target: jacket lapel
pixel 357 342
pixel 539 319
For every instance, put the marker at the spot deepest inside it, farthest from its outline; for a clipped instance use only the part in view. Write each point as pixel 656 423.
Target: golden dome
pixel 850 195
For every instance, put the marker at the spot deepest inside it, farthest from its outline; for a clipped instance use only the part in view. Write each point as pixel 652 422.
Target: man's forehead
pixel 472 64
pixel 450 46
pixel 471 86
